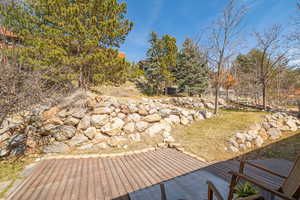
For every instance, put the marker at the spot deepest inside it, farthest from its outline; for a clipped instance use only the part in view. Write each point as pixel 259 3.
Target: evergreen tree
pixel 192 69
pixel 77 38
pixel 161 59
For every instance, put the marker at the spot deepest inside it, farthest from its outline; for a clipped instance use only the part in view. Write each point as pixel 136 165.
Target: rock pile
pixel 272 128
pixel 190 102
pixel 103 122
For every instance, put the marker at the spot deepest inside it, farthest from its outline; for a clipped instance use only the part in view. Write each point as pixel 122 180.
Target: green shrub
pixel 245 190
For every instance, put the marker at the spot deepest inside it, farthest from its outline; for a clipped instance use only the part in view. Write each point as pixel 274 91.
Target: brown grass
pixel 207 138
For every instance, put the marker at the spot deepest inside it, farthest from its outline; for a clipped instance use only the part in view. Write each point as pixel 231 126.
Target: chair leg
pixel 163 192
pixel 210 194
pixel 232 185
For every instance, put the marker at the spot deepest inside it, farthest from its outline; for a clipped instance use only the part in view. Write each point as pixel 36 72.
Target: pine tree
pixel 77 38
pixel 192 69
pixel 161 60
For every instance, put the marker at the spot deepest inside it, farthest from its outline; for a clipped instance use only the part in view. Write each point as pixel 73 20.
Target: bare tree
pixel 272 57
pixel 224 38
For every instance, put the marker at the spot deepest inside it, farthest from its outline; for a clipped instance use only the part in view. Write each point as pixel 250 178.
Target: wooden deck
pixel 132 177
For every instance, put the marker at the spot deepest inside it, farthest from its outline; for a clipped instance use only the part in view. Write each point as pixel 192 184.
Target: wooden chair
pixel 289 190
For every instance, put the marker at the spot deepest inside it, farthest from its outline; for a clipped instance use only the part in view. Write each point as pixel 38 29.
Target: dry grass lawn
pixel 207 138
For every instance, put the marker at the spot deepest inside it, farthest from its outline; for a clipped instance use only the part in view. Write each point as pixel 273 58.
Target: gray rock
pixel 234 149
pixel 206 114
pixel 141 126
pixel 173 119
pixel 274 133
pixel 102 110
pixel 71 121
pixel 84 123
pixel 64 113
pixel 155 129
pixel 209 105
pixel 132 108
pixel 233 142
pixel 99 120
pixel 62 133
pixel 90 132
pixel 168 139
pixel 253 133
pixel 134 117
pixel 152 118
pixel 240 137
pixel 259 141
pixel 198 116
pixel 129 128
pixel 292 125
pixel 56 147
pixel 165 112
pixel 121 115
pixel 243 147
pixel 78 112
pixel 4 137
pixel 113 128
pixel 266 125
pixel 248 144
pixel 77 140
pixel 184 120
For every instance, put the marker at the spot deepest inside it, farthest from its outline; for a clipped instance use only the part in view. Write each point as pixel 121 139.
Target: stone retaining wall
pixel 273 127
pixel 100 122
pixel 191 102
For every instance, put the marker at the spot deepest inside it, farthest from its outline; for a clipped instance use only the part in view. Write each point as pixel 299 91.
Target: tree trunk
pixel 217 99
pixel 227 94
pixel 264 95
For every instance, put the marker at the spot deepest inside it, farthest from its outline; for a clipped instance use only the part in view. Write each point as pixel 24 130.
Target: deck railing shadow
pixel 265 156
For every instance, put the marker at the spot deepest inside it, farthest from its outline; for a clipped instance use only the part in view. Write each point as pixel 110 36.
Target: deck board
pixel 135 176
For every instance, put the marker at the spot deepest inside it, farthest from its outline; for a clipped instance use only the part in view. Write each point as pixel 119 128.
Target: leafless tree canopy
pixel 224 38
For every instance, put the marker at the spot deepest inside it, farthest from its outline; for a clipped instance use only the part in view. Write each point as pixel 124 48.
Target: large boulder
pixel 90 132
pixel 152 118
pixel 77 140
pixel 4 137
pixel 134 117
pixel 129 128
pixel 274 133
pixel 155 129
pixel 99 120
pixel 102 110
pixel 71 121
pixel 173 119
pixel 56 147
pixel 78 112
pixel 141 126
pixel 84 123
pixel 63 133
pixel 292 124
pixel 113 128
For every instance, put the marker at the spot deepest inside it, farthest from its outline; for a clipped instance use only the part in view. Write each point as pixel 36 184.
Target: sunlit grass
pixel 207 138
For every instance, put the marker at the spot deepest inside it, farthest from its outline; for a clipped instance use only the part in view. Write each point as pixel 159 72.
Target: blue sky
pixel 187 18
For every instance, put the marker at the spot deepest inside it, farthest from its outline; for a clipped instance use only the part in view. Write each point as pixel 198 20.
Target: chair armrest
pixel 255 182
pixel 214 190
pixel 264 169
